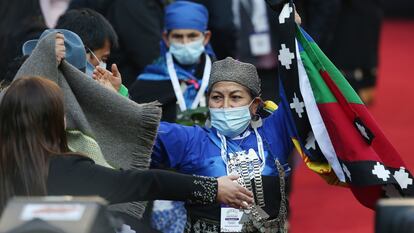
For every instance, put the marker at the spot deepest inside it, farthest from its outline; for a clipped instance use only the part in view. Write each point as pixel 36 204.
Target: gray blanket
pixel 111 129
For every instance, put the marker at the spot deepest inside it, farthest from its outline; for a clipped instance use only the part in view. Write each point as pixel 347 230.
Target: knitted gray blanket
pixel 111 129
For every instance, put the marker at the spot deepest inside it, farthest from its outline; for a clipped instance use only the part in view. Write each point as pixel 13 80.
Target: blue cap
pixel 75 50
pixel 186 15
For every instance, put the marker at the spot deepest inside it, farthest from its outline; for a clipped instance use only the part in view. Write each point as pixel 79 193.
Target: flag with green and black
pixel 331 128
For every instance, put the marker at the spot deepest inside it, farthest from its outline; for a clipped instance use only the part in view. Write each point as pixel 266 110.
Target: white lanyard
pixel 176 85
pixel 260 149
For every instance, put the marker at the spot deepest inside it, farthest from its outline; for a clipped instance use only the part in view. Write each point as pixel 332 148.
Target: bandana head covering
pixel 186 15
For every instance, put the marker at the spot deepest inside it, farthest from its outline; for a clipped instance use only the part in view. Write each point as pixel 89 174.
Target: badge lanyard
pixel 176 85
pixel 258 164
pixel 223 147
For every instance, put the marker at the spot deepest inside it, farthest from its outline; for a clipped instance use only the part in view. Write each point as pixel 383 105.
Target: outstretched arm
pixel 75 175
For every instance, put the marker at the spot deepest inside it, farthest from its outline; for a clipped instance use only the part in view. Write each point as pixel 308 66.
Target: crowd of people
pixel 72 125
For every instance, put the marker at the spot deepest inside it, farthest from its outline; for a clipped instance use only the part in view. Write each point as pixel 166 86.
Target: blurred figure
pixel 256 42
pixel 348 32
pixel 52 9
pixel 245 29
pixel 399 9
pixel 19 23
pixel 354 48
pixel 139 26
pixel 101 6
pixel 180 75
pixel 319 19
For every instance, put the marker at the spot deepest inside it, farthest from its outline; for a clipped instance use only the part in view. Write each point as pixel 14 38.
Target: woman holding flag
pixel 237 141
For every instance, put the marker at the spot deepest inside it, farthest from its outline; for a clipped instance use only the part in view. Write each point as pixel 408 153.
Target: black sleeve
pixel 80 176
pixel 222 27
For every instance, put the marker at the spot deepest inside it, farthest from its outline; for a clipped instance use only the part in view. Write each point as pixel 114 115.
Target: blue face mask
pixel 89 69
pixel 230 122
pixel 187 54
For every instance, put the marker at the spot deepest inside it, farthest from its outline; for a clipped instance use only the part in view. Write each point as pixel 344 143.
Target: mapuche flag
pixel 330 126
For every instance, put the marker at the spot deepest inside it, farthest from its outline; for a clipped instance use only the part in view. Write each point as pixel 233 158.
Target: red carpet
pixel 318 207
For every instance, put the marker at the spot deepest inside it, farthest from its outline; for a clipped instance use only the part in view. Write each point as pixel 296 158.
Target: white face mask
pixel 187 54
pixel 101 63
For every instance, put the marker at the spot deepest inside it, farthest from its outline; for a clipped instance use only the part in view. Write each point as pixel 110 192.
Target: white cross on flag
pixel 285 56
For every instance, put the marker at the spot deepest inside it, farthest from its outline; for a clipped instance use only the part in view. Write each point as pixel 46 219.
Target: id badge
pixel 230 220
pixel 260 44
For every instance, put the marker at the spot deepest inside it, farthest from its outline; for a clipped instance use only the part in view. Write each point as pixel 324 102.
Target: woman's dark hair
pixel 90 26
pixel 32 129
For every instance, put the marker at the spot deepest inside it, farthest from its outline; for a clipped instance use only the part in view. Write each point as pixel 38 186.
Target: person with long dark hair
pixel 35 158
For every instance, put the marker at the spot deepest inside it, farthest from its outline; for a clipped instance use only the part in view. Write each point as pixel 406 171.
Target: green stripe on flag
pixel 318 59
pixel 320 90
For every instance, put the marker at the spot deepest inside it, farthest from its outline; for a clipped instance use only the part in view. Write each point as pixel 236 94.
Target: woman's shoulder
pixel 63 160
pixel 67 167
pixel 68 174
pixel 176 133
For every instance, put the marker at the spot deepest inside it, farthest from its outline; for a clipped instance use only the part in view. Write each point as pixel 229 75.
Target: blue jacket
pixel 189 149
